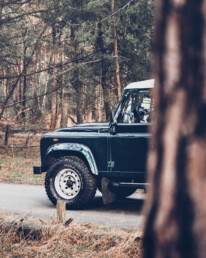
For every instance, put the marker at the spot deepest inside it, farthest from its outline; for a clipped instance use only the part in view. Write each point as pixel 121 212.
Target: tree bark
pixel 1 8
pixel 104 71
pixel 54 83
pixel 4 86
pixel 175 209
pixel 116 56
pixel 99 102
pixel 65 98
pixel 80 101
pixel 89 114
pixel 77 83
pixel 24 81
pixel 44 76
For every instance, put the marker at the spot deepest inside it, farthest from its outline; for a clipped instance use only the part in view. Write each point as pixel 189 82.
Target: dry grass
pixel 16 164
pixel 19 170
pixel 73 241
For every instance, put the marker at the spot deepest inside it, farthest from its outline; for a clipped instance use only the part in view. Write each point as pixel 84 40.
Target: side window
pixel 136 108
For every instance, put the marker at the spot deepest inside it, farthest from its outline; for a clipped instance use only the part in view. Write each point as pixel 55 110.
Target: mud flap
pixel 107 195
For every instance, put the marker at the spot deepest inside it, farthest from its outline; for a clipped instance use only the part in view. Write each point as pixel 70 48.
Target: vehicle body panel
pixel 75 147
pixel 95 142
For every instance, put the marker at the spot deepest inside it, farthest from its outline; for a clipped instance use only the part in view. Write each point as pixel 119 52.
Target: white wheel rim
pixel 67 183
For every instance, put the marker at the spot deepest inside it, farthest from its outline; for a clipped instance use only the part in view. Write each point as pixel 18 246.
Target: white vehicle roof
pixel 148 84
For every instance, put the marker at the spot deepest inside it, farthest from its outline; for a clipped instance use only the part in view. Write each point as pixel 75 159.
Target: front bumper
pixel 37 170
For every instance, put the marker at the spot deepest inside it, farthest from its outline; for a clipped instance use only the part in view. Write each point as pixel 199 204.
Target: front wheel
pixel 69 179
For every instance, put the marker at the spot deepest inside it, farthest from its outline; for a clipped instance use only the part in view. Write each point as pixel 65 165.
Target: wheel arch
pixel 71 149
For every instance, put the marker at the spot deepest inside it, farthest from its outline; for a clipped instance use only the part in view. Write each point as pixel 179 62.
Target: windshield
pixel 136 107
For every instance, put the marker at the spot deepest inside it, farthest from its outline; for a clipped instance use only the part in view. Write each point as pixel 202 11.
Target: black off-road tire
pixel 56 181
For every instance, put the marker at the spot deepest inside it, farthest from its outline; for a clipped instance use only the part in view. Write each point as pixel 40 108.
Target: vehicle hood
pixel 86 127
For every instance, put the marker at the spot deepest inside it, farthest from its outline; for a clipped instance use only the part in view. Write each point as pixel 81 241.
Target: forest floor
pixel 17 159
pixel 57 240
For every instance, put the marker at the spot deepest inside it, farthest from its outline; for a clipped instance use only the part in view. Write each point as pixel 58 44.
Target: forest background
pixel 68 61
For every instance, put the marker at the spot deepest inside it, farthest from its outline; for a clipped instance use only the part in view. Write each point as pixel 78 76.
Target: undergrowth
pixel 72 241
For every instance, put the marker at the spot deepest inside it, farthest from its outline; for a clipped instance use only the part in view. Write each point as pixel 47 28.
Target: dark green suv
pixel 77 158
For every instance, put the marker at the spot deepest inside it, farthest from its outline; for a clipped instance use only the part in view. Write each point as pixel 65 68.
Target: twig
pixel 72 120
pixel 17 147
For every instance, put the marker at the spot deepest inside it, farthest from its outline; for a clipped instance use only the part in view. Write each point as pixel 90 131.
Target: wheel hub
pixel 67 183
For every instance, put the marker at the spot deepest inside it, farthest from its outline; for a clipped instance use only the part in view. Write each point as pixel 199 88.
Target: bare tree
pixel 176 212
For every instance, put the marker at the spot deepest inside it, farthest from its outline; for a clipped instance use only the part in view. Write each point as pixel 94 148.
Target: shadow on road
pixel 128 205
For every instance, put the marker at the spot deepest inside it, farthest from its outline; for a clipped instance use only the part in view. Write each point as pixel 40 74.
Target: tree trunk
pixel 65 108
pixel 20 85
pixel 44 76
pixel 89 114
pixel 16 90
pixel 98 103
pixel 116 56
pixel 65 98
pixel 77 83
pixel 54 85
pixel 91 106
pixel 4 87
pixel 175 209
pixel 24 82
pixel 1 8
pixel 80 101
pixel 36 86
pixel 104 71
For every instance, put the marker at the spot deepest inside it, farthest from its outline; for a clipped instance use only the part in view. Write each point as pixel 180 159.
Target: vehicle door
pixel 129 139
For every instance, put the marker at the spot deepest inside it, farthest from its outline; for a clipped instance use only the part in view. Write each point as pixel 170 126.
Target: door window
pixel 136 108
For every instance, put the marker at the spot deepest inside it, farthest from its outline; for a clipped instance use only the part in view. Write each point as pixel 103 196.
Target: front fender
pixel 75 147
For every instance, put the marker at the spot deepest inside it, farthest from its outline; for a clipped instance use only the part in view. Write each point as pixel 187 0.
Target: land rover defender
pixel 78 158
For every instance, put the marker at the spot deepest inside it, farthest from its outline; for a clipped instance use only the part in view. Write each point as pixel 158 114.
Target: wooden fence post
pixel 61 211
pixel 7 133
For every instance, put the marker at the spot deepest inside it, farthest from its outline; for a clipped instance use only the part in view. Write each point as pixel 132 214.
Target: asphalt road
pixel 31 200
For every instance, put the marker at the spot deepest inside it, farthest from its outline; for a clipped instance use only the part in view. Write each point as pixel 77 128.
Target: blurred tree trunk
pixel 176 212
